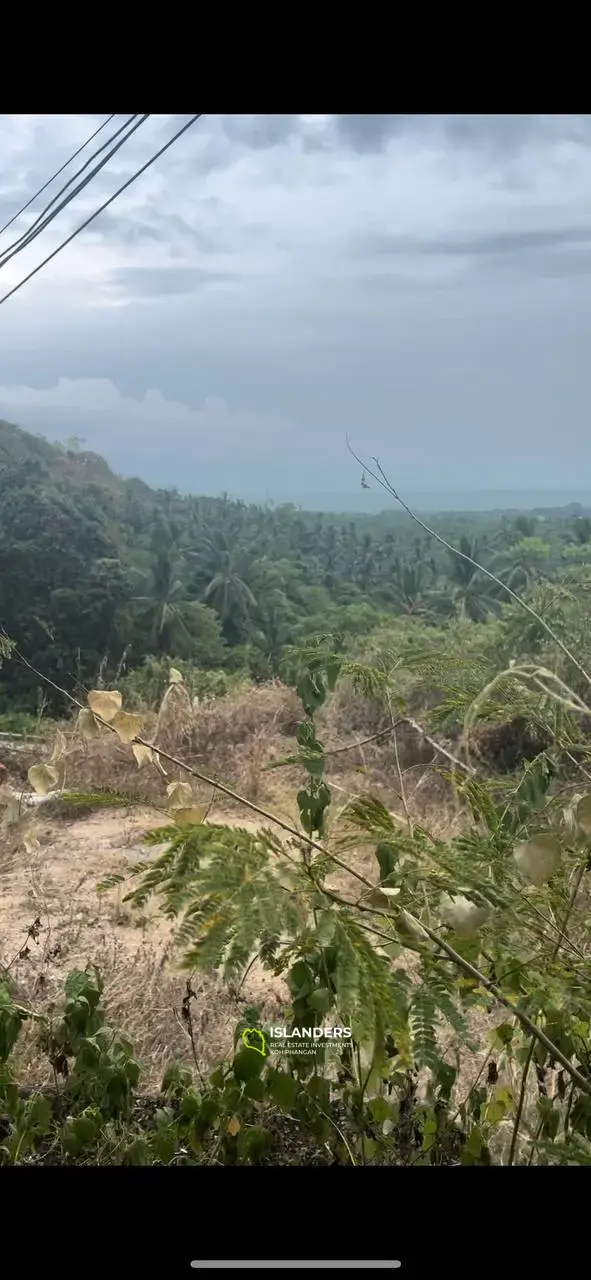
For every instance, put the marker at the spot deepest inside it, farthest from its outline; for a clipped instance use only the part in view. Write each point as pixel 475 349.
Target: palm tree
pixel 227 590
pixel 407 588
pixel 165 610
pixel 520 565
pixel 470 589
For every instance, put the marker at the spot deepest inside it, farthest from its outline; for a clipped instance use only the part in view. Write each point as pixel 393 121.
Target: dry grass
pixel 232 739
pixel 134 952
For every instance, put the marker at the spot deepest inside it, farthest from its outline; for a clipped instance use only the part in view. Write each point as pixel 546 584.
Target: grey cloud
pixel 370 132
pixel 448 348
pixel 262 131
pixel 487 245
pixel 151 282
pixel 503 135
pixel 153 228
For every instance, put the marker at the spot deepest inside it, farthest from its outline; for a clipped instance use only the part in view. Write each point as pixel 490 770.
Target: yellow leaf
pixel 31 840
pixel 87 725
pixel 44 778
pixel 180 795
pixel 59 767
pixel 193 814
pixel 234 1126
pixel 175 676
pixel 126 725
pixel 59 747
pixel 142 754
pixel 106 703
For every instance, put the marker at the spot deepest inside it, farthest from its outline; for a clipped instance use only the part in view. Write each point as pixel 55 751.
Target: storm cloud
pixel 274 283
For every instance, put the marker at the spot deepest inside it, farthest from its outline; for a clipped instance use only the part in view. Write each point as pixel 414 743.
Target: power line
pixel 44 221
pixel 56 174
pixel 47 208
pixel 102 207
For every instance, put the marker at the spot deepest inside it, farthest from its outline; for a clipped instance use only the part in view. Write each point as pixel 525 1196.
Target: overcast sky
pixel 274 283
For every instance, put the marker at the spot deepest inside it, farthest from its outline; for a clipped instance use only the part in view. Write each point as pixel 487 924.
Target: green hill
pixel 96 570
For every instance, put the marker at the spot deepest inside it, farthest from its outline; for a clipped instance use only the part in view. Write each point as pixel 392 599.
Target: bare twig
pixel 381 478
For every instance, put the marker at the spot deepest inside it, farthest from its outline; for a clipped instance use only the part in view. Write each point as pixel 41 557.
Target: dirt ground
pixel 56 883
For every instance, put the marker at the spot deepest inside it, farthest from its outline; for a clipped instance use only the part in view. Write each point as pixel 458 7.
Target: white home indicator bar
pixel 289 1264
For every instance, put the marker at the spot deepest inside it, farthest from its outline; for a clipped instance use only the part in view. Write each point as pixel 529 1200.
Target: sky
pixel 274 284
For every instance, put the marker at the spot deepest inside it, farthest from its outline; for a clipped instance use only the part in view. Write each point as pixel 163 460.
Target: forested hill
pixel 96 570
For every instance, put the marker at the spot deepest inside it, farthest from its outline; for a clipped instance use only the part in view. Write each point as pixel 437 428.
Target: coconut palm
pixel 227 589
pixel 165 609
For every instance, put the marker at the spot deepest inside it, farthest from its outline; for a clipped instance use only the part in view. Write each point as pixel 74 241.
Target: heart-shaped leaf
pixel 106 703
pixel 180 795
pixel 143 755
pixel 537 859
pixel 194 815
pixel 126 725
pixel 87 725
pixel 462 915
pixel 45 778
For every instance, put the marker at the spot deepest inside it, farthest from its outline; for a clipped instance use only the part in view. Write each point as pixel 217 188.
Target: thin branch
pixel 437 747
pixel 203 777
pixel 351 746
pixel 439 942
pixel 381 478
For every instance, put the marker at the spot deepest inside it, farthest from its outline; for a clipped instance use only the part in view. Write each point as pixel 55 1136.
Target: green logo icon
pixel 246 1039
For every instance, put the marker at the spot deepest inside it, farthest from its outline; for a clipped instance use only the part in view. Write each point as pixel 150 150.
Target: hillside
pixel 350 793
pixel 98 573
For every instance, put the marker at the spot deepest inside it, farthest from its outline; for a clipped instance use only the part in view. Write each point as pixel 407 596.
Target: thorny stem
pixel 381 478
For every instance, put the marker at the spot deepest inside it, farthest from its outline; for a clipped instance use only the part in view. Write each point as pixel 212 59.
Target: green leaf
pixel 255 1142
pixel 255 1089
pixel 583 815
pixel 282 1088
pixel 109 882
pixel 538 858
pixel 320 1000
pixel 347 970
pixel 247 1064
pixel 502 1035
pixel 387 857
pixel 379 1110
pixel 325 928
